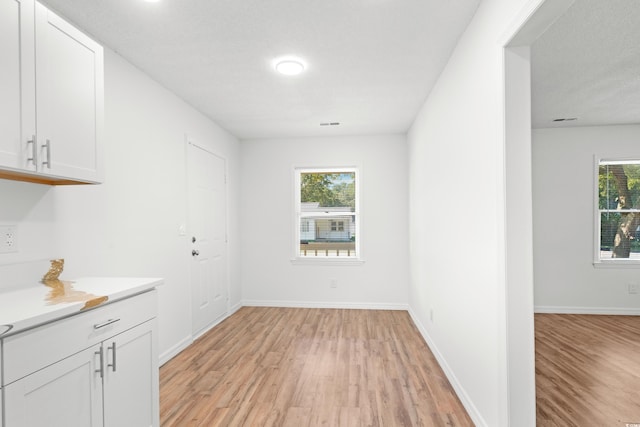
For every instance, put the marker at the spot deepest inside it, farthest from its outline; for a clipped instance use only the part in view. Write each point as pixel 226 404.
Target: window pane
pixel 618 186
pixel 610 226
pixel 618 201
pixel 323 239
pixel 328 214
pixel 329 190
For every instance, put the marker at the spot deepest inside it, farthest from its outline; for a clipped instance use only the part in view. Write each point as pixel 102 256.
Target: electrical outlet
pixel 334 283
pixel 8 239
pixel 633 288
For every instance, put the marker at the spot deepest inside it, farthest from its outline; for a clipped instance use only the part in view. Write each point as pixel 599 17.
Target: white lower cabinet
pixel 131 378
pixel 67 393
pixel 99 368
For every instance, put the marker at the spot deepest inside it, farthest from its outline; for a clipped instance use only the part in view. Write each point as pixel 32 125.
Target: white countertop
pixel 29 306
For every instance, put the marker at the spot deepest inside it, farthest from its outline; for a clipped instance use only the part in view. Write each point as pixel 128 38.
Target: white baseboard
pixel 173 351
pixel 217 321
pixel 187 341
pixel 308 304
pixel 235 308
pixel 473 412
pixel 549 309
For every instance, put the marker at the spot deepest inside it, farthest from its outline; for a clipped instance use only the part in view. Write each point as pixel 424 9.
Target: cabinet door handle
pixel 101 354
pixel 112 347
pixel 34 151
pixel 47 145
pixel 103 324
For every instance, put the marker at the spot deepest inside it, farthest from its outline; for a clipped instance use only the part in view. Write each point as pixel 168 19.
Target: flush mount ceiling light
pixel 289 66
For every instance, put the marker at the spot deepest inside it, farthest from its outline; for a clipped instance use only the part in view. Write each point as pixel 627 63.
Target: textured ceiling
pixel 587 66
pixel 371 63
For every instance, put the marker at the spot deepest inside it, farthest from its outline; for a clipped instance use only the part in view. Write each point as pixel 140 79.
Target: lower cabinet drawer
pixel 32 350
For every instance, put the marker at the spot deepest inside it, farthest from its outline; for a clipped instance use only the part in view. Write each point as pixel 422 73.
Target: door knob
pixel 195 253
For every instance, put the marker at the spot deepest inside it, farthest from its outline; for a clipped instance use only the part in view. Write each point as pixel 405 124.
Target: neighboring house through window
pixel 337 225
pixel 327 211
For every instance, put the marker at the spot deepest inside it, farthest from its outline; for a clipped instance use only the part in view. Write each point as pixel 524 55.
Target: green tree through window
pixel 328 189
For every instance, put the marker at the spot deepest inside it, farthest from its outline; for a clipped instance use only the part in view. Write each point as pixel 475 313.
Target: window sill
pixel 617 264
pixel 332 261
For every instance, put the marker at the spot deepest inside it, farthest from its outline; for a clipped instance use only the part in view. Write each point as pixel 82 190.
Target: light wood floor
pixel 309 367
pixel 587 370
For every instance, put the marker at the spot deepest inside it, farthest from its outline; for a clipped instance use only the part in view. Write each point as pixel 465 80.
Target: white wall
pixel 457 253
pixel 563 191
pixel 267 217
pixel 128 226
pixel 30 207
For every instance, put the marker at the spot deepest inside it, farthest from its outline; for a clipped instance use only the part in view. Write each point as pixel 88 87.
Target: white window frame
pixel 326 260
pixel 598 261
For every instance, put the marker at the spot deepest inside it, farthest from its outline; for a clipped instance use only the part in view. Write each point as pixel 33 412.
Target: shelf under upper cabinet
pixel 25 176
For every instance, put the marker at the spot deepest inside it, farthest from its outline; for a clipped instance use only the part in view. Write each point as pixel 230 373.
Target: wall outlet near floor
pixel 333 283
pixel 8 239
pixel 633 288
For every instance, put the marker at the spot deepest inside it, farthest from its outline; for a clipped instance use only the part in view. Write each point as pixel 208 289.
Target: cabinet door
pixel 65 394
pixel 131 378
pixel 69 99
pixel 17 84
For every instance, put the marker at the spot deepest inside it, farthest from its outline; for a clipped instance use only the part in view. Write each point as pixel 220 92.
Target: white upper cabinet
pixel 69 99
pixel 17 84
pixel 52 72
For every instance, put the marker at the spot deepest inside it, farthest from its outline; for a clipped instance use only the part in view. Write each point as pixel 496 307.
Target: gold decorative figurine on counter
pixel 57 265
pixel 63 292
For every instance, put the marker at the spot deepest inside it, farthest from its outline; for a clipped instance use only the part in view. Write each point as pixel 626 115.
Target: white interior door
pixel 208 236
